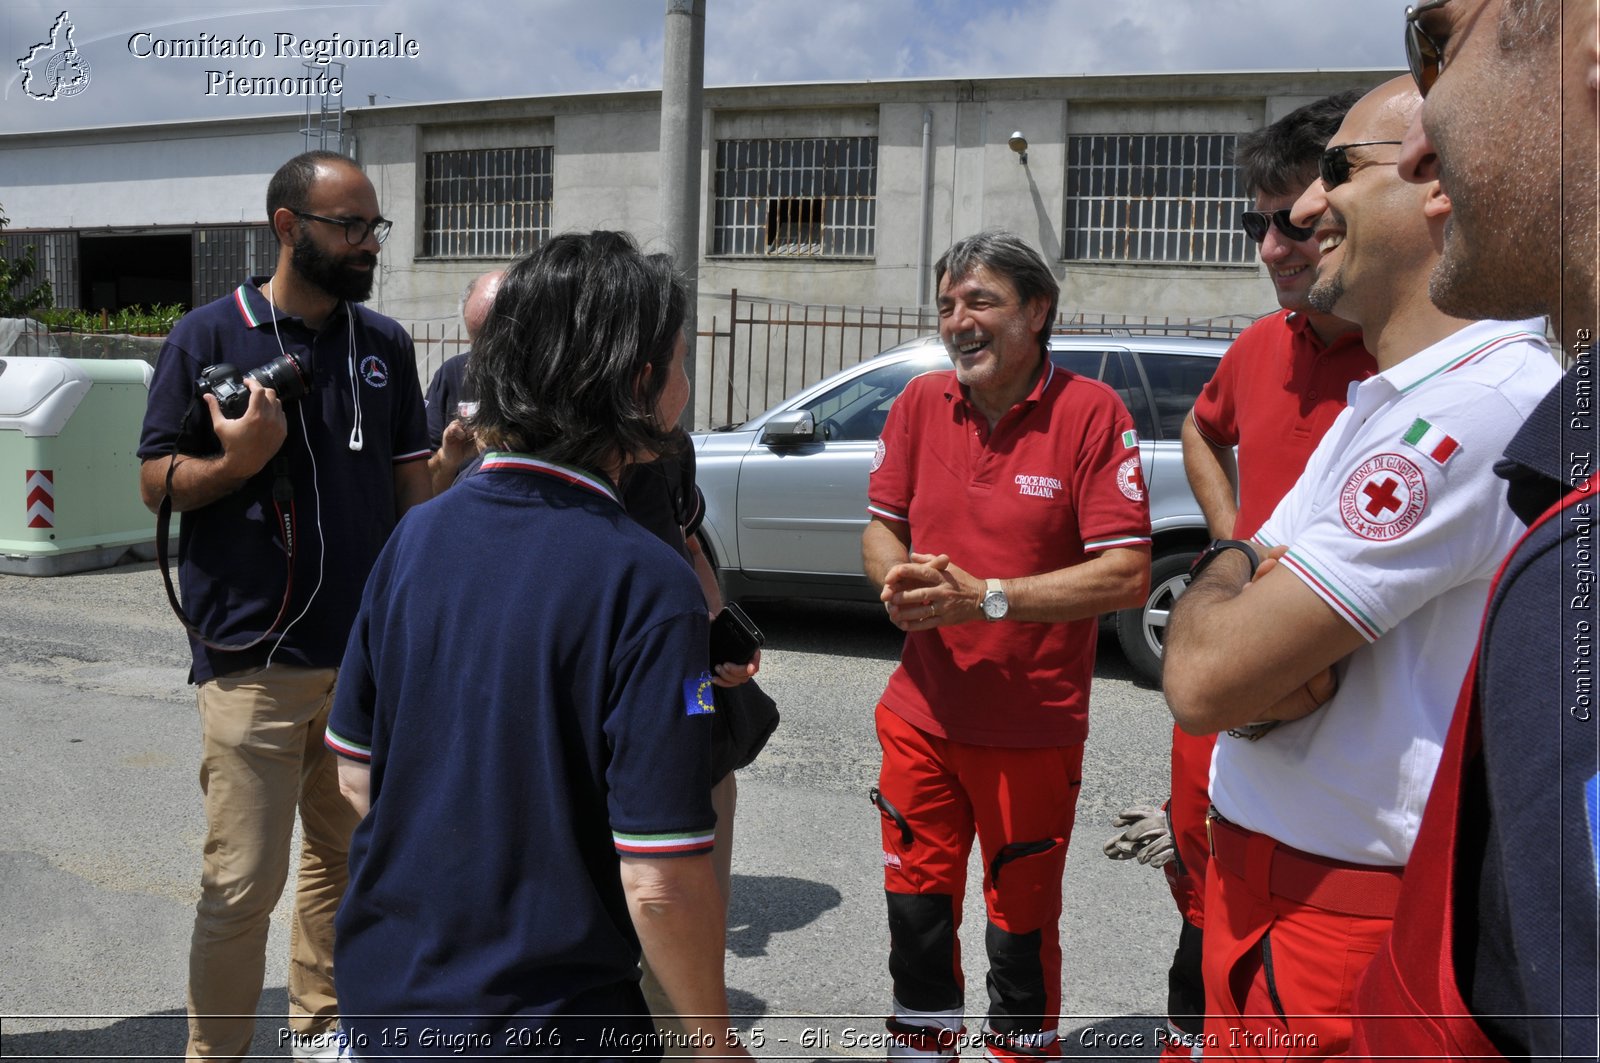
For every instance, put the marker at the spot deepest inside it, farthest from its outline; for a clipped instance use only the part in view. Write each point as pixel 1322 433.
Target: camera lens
pixel 287 376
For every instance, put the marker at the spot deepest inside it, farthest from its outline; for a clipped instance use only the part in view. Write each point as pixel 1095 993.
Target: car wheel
pixel 1142 631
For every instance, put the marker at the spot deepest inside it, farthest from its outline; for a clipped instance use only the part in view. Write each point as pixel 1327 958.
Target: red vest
pixel 1408 1002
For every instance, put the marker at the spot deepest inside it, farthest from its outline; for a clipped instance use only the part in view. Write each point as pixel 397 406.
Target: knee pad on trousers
pixel 1016 981
pixel 922 951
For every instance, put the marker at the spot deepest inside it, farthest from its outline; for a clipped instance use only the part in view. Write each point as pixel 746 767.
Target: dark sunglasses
pixel 1334 166
pixel 355 229
pixel 1424 55
pixel 1255 224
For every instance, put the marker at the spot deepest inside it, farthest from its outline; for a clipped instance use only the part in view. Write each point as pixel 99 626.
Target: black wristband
pixel 1219 547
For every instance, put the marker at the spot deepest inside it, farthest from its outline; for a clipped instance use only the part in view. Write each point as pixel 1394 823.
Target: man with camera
pixel 285 423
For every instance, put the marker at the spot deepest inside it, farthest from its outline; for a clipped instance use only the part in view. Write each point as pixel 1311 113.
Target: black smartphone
pixel 734 637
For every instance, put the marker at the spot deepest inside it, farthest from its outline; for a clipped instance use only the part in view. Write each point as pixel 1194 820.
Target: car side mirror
pixel 790 429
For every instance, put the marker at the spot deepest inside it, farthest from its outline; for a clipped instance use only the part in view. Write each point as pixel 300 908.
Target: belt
pixel 1350 889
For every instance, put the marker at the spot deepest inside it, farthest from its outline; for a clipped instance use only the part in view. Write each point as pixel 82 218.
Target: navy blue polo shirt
pixel 527 678
pixel 446 391
pixel 231 556
pixel 1529 855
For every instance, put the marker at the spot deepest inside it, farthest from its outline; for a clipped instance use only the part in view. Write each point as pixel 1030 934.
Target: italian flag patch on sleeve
pixel 1130 438
pixel 1432 441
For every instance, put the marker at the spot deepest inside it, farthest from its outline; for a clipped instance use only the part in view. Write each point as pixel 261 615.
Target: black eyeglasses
pixel 1256 222
pixel 1334 166
pixel 355 229
pixel 1424 55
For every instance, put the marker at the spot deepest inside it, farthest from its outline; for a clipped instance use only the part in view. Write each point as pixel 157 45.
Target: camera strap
pixel 283 507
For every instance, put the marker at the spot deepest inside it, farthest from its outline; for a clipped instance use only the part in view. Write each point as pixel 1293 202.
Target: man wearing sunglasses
pixel 1500 892
pixel 1275 392
pixel 1333 666
pixel 273 600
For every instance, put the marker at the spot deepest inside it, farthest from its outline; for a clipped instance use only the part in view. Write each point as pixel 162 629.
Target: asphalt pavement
pixel 100 840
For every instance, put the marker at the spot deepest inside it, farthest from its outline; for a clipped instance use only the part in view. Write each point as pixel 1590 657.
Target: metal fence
pixel 756 353
pixel 435 343
pixel 760 352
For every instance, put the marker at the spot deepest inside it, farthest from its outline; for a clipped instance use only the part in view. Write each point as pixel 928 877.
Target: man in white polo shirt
pixel 1334 668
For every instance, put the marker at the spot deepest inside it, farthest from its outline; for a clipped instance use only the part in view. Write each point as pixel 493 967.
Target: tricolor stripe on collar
pixel 242 300
pixel 253 319
pixel 1049 376
pixel 501 461
pixel 1479 352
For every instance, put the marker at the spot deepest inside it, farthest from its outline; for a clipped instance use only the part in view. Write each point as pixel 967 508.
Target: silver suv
pixel 786 492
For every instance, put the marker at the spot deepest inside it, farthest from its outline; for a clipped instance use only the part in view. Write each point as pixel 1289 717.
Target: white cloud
pixel 519 47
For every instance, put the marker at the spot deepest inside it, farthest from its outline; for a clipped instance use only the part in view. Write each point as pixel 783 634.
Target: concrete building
pixel 827 193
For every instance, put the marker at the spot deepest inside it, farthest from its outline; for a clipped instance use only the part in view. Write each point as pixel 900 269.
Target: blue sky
pixel 479 48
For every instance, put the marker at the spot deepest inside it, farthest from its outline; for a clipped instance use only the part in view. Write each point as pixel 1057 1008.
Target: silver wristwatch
pixel 995 604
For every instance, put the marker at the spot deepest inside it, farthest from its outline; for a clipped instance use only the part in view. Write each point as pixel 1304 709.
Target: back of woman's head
pixel 558 365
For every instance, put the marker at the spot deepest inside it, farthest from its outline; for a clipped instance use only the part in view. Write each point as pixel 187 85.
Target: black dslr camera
pixel 288 375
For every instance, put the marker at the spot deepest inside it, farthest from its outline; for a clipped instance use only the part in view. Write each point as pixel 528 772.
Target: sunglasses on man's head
pixel 1424 55
pixel 1334 166
pixel 1255 224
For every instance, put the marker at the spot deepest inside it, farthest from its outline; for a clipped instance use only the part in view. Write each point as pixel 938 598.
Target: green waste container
pixel 69 474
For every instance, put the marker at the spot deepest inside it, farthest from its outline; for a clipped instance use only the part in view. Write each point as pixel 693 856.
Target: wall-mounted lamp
pixel 1019 144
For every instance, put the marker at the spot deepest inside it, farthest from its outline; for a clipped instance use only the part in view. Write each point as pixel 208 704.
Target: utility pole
pixel 682 80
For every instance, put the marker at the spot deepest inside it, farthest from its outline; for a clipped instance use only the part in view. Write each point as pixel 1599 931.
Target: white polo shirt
pixel 1398 523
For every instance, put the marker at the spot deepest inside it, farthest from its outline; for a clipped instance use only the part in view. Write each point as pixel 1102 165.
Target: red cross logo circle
pixel 1130 479
pixel 1384 498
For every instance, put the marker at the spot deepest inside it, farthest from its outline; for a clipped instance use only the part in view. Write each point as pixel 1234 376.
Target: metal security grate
pixel 224 255
pixel 55 256
pixel 814 197
pixel 1154 198
pixel 486 203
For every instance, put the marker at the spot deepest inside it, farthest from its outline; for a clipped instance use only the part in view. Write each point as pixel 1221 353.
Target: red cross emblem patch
pixel 1130 479
pixel 1384 498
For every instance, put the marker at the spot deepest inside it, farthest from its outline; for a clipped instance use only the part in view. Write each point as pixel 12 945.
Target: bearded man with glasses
pixel 1495 941
pixel 1275 392
pixel 272 600
pixel 1329 647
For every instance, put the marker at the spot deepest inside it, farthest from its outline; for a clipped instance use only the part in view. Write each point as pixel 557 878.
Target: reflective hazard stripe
pixel 39 498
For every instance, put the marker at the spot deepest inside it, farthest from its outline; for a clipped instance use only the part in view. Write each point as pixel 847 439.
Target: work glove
pixel 1147 839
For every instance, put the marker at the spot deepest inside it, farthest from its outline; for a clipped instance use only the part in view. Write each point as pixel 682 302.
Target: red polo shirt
pixel 1274 395
pixel 1056 480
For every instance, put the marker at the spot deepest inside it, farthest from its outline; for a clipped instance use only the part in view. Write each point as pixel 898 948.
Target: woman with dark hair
pixel 524 710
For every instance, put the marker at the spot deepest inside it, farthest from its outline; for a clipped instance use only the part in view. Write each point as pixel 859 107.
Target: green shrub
pixel 134 320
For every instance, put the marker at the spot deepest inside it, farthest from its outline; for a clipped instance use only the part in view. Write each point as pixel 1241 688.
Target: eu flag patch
pixel 697 700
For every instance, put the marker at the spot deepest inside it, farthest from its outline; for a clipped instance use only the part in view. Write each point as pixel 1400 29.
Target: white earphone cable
pixel 316 491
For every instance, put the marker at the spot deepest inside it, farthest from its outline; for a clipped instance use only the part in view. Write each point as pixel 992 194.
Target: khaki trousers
pixel 262 758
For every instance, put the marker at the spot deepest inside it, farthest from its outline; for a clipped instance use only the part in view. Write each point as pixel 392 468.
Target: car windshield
pixel 857 409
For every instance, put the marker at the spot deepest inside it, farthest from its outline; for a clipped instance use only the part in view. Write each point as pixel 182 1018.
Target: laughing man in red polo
pixel 1333 671
pixel 1008 512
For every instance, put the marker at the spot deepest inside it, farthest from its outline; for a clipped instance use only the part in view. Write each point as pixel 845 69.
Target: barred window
pixel 487 202
pixel 1154 198
pixel 812 197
